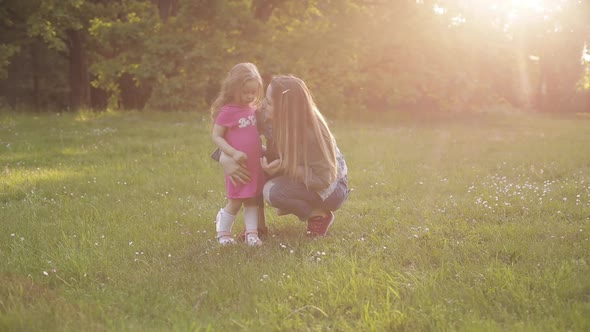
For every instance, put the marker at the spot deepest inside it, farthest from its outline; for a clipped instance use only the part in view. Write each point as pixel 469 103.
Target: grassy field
pixel 472 224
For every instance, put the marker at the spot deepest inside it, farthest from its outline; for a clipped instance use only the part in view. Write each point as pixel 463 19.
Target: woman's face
pixel 267 103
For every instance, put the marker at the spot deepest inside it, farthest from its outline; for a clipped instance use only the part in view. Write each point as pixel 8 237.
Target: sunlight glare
pixel 438 10
pixel 513 7
pixel 586 54
pixel 536 5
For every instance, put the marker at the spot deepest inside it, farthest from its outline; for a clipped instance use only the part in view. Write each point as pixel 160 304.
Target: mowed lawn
pixel 459 223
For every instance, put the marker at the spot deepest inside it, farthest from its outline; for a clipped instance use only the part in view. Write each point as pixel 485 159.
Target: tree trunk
pixel 546 78
pixel 79 78
pixel 35 75
pixel 263 9
pixel 166 8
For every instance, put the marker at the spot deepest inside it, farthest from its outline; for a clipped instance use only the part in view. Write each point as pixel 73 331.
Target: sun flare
pixel 513 7
pixel 537 5
pixel 505 12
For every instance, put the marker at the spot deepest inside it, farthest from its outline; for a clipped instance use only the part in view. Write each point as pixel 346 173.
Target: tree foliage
pixel 356 55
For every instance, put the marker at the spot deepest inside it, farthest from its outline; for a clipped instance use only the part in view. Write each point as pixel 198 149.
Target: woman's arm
pixel 216 154
pixel 322 173
pixel 237 172
pixel 271 168
pixel 319 178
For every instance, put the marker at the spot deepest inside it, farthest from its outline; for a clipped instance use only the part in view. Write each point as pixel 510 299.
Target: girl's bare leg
pixel 251 219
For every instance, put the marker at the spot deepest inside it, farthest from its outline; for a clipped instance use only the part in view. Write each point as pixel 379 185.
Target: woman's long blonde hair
pixel 295 118
pixel 232 85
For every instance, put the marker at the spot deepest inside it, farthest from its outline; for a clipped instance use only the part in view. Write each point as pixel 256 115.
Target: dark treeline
pixel 378 55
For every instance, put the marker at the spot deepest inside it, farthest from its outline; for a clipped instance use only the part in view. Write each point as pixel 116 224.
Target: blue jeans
pixel 294 198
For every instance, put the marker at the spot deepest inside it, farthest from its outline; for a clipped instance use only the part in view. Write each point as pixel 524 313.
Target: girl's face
pixel 268 110
pixel 249 92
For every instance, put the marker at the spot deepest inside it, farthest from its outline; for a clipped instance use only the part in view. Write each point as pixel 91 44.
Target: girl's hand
pixel 237 172
pixel 240 157
pixel 270 168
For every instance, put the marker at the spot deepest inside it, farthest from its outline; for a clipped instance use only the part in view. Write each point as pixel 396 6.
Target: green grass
pixel 479 223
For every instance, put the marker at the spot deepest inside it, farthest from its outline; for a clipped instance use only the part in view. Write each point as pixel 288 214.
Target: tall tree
pixel 60 24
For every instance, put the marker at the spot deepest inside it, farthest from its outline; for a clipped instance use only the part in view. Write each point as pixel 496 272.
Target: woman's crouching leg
pixel 290 197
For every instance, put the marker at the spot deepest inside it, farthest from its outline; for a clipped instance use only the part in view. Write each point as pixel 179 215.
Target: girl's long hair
pixel 295 118
pixel 232 85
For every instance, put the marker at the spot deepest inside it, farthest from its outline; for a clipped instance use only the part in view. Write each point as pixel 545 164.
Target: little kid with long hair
pixel 236 135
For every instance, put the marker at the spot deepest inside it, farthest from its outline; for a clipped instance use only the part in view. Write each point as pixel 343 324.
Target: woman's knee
pixel 267 191
pixel 278 191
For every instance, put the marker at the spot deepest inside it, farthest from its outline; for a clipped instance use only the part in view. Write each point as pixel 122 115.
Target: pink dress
pixel 241 133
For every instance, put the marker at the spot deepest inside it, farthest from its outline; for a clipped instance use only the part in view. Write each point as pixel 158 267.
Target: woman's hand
pixel 270 168
pixel 236 171
pixel 300 172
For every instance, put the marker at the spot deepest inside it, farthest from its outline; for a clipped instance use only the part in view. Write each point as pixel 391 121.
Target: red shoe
pixel 318 226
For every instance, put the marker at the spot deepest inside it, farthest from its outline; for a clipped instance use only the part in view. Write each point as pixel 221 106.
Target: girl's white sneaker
pixel 252 239
pixel 225 239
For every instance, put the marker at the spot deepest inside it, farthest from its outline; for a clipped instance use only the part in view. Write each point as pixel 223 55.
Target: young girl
pixel 235 133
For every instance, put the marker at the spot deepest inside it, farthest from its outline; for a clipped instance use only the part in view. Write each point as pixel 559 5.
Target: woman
pixel 308 174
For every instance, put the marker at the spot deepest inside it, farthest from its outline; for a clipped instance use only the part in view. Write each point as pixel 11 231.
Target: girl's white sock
pixel 251 218
pixel 223 225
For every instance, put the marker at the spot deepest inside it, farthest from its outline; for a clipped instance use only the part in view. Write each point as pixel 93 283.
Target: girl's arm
pixel 223 145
